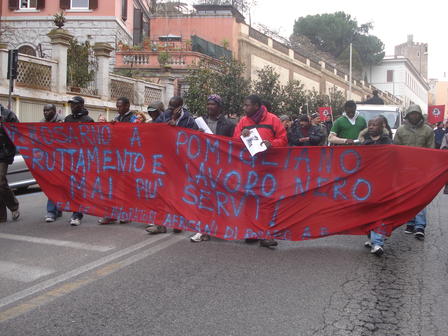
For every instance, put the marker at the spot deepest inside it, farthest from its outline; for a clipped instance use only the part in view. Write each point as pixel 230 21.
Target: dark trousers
pixel 7 198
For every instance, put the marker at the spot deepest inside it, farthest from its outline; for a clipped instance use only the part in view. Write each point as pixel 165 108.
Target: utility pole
pixel 350 73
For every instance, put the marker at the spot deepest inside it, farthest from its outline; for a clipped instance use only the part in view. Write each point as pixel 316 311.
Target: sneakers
pixel 75 221
pixel 49 218
pixel 445 190
pixel 155 229
pixel 124 222
pixel 106 221
pixel 419 234
pixel 268 243
pixel 368 244
pixel 409 229
pixel 15 215
pixel 377 250
pixel 198 237
pixel 251 240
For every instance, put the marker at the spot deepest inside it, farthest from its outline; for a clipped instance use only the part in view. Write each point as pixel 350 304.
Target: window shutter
pixel 13 4
pixel 40 4
pixel 93 4
pixel 124 9
pixel 138 26
pixel 64 4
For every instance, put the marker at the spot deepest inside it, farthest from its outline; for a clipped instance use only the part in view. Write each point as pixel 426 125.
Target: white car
pixel 391 112
pixel 19 176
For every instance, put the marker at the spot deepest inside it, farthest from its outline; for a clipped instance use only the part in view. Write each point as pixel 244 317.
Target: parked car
pixel 19 176
pixel 391 112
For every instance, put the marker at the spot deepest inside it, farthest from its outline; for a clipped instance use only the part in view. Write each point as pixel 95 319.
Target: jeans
pixel 7 198
pixel 419 221
pixel 376 238
pixel 52 209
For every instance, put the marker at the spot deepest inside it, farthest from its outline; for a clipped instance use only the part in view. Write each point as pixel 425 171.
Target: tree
pixel 268 87
pixel 314 100
pixel 333 33
pixel 337 101
pixel 81 64
pixel 232 86
pixel 294 97
pixel 225 79
pixel 201 82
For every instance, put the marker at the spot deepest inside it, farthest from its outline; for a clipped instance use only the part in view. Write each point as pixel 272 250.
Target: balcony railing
pixel 150 59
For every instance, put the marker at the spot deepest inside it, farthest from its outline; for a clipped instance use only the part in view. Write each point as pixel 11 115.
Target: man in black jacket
pixel 7 153
pixel 376 136
pixel 124 112
pixel 302 133
pixel 375 100
pixel 177 115
pixel 216 119
pixel 80 115
pixel 219 125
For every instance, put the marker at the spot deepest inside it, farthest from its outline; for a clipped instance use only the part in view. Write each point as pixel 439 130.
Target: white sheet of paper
pixel 203 125
pixel 253 142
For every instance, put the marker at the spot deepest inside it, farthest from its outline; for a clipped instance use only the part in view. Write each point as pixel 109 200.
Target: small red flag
pixel 436 113
pixel 325 113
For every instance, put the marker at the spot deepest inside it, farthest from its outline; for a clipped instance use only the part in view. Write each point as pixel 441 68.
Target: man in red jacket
pixel 271 131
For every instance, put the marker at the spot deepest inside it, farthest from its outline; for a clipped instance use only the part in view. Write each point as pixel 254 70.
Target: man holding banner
pixel 271 131
pixel 346 128
pixel 415 133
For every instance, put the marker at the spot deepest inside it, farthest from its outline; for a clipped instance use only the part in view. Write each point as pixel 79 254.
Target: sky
pixel 393 21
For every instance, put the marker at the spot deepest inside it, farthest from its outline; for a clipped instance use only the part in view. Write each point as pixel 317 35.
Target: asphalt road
pixel 117 280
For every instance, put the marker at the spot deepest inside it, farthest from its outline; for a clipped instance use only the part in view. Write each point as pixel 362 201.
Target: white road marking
pixel 85 268
pixel 22 273
pixel 55 242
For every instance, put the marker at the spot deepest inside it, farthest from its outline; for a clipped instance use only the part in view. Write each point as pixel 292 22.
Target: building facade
pixel 223 26
pixel 416 53
pixel 439 94
pixel 27 22
pixel 398 76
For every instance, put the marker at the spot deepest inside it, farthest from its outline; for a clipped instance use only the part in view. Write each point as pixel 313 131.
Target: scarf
pixel 257 116
pixel 353 120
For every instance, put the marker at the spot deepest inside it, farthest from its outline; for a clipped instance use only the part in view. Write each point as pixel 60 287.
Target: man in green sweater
pixel 346 128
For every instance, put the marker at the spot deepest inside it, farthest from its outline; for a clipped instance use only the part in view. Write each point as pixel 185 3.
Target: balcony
pixel 176 60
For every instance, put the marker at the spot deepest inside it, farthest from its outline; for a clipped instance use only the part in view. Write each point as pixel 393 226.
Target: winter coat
pixel 56 118
pixel 270 128
pixel 420 135
pixel 383 140
pixel 315 133
pixel 224 126
pixel 375 100
pixel 7 148
pixel 81 117
pixel 185 121
pixel 127 117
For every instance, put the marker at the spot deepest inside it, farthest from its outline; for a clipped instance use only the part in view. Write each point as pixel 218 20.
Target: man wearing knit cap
pixel 219 125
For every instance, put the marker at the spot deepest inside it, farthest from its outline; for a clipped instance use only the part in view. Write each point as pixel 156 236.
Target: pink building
pixel 110 21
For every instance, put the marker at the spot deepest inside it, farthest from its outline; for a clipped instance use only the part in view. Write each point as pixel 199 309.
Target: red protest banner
pixel 325 113
pixel 189 180
pixel 436 113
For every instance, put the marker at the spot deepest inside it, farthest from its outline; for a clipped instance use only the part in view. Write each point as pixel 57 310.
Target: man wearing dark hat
pixel 219 125
pixel 155 110
pixel 315 121
pixel 79 112
pixel 80 115
pixel 302 133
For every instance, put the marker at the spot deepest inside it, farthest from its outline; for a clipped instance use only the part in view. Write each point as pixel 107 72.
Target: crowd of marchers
pixel 306 130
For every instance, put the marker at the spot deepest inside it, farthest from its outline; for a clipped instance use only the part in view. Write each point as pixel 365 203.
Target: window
pixel 79 4
pixel 27 50
pixel 28 4
pixel 390 76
